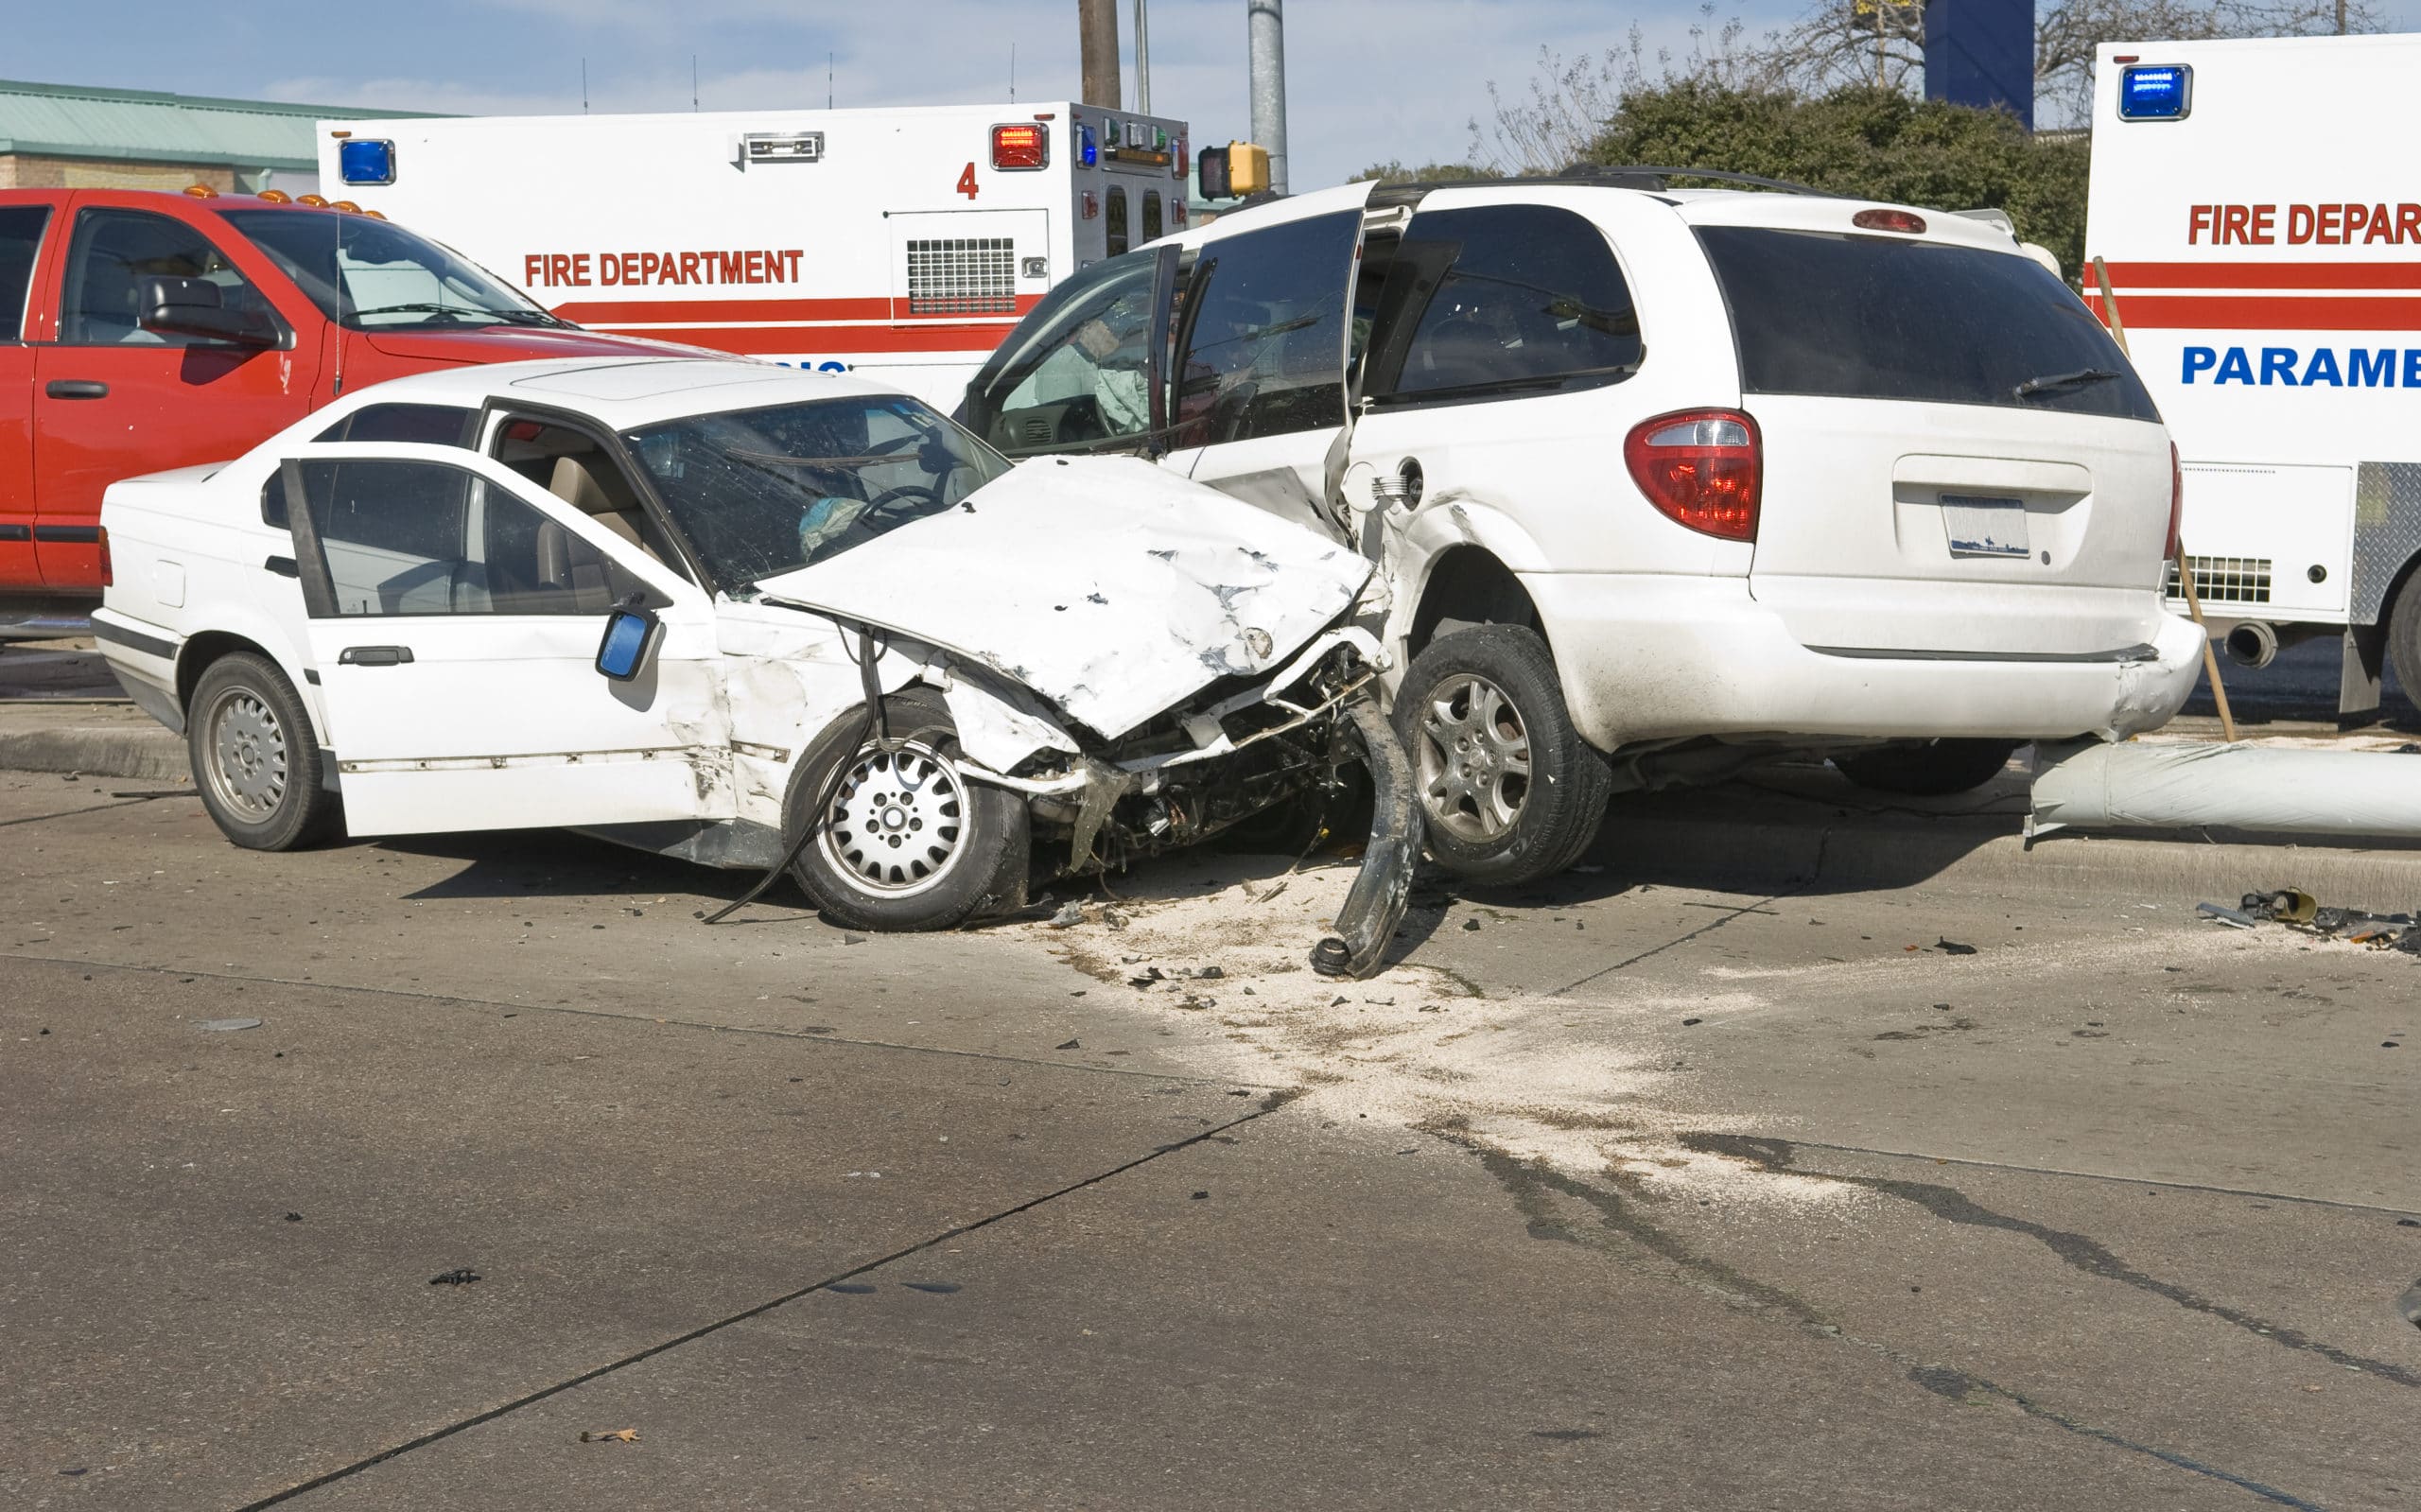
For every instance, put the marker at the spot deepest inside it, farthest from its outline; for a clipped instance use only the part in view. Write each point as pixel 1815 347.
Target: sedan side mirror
pixel 198 307
pixel 631 634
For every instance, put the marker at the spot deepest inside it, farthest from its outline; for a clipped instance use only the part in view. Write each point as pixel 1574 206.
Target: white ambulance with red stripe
pixel 898 244
pixel 2257 204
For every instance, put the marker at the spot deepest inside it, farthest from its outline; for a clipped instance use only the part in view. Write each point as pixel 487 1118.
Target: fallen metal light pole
pixel 2140 785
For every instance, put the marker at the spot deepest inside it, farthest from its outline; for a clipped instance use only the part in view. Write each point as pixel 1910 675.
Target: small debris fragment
pixel 1953 947
pixel 293 1218
pixel 1147 978
pixel 936 1288
pixel 1113 918
pixel 1197 1000
pixel 1200 1195
pixel 610 1436
pixel 853 939
pixel 462 1276
pixel 228 1026
pixel 2408 1223
pixel 1687 1022
pixel 1067 917
pixel 1206 974
pixel 2221 913
pixel 1070 1044
pixel 1337 1003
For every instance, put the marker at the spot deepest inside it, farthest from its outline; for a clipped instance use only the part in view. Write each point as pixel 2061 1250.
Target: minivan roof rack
pixel 1634 175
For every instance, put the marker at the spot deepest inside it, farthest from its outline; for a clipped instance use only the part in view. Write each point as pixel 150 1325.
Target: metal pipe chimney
pixel 1266 37
pixel 1097 47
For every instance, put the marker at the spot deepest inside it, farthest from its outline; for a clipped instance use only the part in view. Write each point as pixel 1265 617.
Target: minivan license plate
pixel 1980 526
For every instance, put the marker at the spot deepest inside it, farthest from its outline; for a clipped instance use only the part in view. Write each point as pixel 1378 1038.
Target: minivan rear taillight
pixel 1701 467
pixel 2176 504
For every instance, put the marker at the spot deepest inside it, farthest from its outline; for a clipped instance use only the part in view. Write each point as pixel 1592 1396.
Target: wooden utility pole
pixel 1097 46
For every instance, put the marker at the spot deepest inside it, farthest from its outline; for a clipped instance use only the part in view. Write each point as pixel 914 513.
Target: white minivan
pixel 1664 482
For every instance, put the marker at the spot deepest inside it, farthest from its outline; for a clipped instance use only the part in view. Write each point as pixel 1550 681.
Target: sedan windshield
pixel 760 492
pixel 371 275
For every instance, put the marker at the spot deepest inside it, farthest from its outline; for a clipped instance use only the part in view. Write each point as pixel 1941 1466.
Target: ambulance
pixel 900 244
pixel 2258 207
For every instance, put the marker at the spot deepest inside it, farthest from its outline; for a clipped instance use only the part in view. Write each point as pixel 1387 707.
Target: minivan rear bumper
pixel 1646 656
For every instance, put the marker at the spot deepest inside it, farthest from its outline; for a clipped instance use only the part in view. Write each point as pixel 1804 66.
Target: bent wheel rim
pixel 1474 759
pixel 897 826
pixel 246 754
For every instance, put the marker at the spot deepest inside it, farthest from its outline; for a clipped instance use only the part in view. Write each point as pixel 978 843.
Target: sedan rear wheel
pixel 1509 790
pixel 254 759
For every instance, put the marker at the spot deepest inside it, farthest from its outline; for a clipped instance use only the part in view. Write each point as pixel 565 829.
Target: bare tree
pixel 1570 99
pixel 1838 43
pixel 2067 31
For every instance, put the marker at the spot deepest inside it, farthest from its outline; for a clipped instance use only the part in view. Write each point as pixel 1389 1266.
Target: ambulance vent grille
pixel 2227 579
pixel 963 275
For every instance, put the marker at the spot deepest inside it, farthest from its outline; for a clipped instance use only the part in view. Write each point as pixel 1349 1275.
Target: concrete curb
pixel 102 740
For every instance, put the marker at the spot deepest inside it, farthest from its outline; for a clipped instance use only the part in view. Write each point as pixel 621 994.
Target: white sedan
pixel 749 616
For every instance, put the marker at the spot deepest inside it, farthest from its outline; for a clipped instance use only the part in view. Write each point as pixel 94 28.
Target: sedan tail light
pixel 2176 504
pixel 1701 468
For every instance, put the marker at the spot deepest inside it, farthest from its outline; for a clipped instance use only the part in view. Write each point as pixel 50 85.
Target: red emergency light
pixel 1020 148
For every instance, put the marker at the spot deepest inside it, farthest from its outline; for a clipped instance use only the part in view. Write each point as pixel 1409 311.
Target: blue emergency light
pixel 2155 92
pixel 366 159
pixel 1087 150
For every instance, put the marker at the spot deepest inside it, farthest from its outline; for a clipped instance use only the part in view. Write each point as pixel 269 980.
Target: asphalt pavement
pixel 1774 1178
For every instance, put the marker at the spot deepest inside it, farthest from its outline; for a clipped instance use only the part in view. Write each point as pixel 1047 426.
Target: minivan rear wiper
pixel 2059 381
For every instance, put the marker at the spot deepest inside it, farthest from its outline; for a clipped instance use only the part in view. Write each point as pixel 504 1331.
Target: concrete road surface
pixel 1620 1193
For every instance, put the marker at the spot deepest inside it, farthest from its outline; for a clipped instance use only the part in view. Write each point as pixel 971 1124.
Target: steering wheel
pixel 929 492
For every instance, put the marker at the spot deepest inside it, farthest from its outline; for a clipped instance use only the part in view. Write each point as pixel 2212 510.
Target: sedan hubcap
pixel 897 821
pixel 248 756
pixel 1474 759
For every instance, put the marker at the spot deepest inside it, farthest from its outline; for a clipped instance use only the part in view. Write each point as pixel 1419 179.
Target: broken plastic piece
pixel 1383 887
pixel 2233 918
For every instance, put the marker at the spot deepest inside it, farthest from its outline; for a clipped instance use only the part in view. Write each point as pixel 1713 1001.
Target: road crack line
pixel 1269 1104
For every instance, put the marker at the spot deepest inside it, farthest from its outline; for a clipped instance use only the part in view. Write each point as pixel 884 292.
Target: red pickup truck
pixel 142 330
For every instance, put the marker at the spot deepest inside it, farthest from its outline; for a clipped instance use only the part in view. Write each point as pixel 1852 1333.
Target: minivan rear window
pixel 1821 313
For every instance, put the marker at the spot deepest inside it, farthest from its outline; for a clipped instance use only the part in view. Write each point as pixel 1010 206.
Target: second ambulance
pixel 2258 210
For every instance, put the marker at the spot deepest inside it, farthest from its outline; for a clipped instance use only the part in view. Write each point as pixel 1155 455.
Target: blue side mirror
pixel 631 634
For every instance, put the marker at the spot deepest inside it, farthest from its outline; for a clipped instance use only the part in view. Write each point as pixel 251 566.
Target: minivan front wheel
pixel 1508 789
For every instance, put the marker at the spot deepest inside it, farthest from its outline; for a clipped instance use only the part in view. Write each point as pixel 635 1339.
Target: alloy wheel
pixel 1474 759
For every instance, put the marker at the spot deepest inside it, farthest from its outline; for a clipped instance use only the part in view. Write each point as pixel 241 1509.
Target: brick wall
pixel 26 170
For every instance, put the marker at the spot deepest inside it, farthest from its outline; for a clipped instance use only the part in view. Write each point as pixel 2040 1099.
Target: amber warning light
pixel 1019 147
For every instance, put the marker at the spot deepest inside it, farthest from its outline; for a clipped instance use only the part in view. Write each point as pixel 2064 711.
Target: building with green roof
pixel 54 136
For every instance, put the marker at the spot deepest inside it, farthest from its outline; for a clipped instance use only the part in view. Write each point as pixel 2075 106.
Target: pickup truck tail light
pixel 2176 504
pixel 1701 468
pixel 101 547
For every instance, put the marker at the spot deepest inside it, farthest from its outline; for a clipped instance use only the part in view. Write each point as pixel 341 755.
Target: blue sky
pixel 1369 79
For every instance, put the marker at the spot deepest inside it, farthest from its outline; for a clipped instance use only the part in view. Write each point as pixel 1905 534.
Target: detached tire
pixel 1927 768
pixel 256 761
pixel 908 842
pixel 1509 790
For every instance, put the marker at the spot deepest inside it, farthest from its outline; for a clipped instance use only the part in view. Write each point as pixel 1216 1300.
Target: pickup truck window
pixel 21 228
pixel 371 275
pixel 422 538
pixel 114 251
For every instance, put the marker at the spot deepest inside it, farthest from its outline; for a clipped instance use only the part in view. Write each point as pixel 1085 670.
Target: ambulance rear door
pixel 960 279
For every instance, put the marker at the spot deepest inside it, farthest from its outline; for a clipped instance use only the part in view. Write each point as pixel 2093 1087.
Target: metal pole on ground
pixel 2185 568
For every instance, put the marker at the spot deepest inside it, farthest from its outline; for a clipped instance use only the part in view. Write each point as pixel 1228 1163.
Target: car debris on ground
pixel 2299 910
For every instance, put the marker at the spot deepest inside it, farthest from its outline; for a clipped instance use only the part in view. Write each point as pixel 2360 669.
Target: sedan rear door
pixel 454 614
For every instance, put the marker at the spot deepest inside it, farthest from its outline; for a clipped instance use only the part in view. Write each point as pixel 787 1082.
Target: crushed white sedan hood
pixel 1110 586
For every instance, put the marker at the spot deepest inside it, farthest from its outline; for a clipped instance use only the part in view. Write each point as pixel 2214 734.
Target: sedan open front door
pixel 456 614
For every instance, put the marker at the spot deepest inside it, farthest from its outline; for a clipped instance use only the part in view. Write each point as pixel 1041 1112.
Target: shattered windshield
pixel 371 275
pixel 760 492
